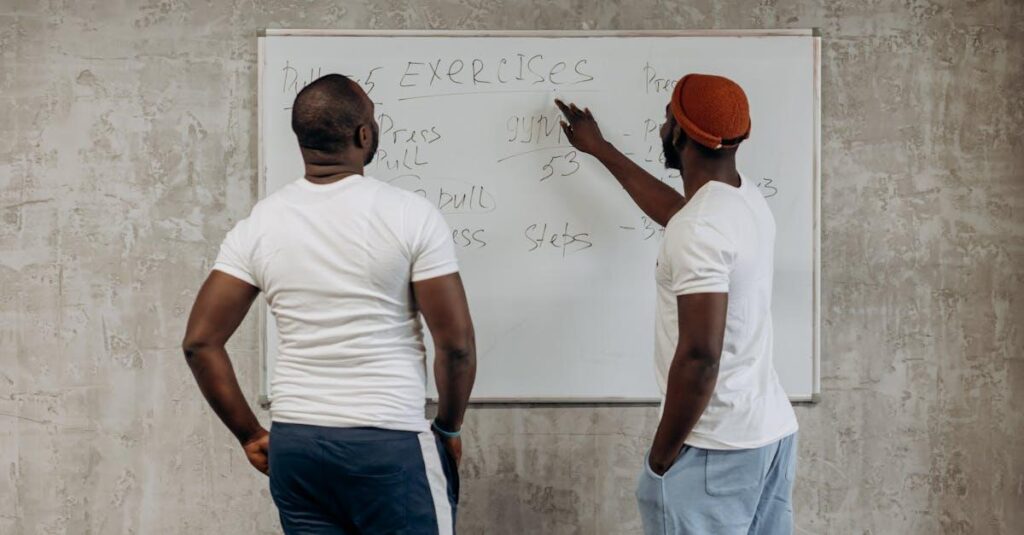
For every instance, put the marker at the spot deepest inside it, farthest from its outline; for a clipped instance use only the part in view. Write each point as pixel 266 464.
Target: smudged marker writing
pixel 475 200
pixel 469 238
pixel 522 69
pixel 538 236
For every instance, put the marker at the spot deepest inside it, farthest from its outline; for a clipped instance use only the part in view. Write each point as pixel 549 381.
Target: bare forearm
pixel 454 373
pixel 657 199
pixel 216 378
pixel 691 381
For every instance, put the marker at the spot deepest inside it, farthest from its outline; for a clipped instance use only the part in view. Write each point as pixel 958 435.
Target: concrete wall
pixel 127 149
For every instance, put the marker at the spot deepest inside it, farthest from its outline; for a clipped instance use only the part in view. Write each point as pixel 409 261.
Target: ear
pixel 678 137
pixel 363 136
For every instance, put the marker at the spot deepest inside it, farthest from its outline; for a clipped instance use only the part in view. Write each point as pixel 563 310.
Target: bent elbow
pixel 704 356
pixel 461 353
pixel 191 347
pixel 458 351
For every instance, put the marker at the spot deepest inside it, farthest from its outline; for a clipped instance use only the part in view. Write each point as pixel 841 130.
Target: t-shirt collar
pixel 336 185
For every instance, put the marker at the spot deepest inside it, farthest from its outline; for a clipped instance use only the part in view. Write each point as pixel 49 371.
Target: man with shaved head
pixel 346 263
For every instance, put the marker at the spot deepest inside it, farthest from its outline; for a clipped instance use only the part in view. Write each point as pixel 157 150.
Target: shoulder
pixel 713 207
pixel 273 202
pixel 722 202
pixel 410 203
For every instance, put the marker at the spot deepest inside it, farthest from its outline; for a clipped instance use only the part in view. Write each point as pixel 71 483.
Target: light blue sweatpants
pixel 721 492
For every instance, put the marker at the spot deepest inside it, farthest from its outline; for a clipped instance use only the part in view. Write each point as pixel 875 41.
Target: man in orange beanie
pixel 724 455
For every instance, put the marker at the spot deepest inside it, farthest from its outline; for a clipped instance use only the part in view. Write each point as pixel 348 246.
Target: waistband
pixel 338 434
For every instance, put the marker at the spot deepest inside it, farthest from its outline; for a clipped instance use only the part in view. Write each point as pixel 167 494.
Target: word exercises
pixel 557 261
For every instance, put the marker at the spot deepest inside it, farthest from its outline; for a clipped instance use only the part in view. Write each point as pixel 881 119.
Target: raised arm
pixel 657 199
pixel 220 307
pixel 442 300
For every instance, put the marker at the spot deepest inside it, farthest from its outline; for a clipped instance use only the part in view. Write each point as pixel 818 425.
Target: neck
pixel 702 171
pixel 327 168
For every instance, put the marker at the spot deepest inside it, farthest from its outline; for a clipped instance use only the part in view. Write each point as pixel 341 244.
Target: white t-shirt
pixel 335 263
pixel 722 241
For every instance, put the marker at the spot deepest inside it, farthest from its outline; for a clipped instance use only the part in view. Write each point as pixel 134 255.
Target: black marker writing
pixel 767 189
pixel 539 237
pixel 469 238
pixel 478 67
pixel 519 70
pixel 584 77
pixel 409 71
pixel 655 84
pixel 567 164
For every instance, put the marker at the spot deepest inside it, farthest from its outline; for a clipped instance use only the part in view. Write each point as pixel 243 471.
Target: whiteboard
pixel 557 261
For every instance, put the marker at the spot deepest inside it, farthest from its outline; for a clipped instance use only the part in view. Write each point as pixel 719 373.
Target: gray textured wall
pixel 128 149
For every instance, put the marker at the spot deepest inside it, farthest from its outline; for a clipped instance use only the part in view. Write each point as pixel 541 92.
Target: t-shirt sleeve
pixel 236 252
pixel 433 252
pixel 701 259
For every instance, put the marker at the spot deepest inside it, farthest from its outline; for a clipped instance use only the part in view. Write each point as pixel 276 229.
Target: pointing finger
pixel 563 108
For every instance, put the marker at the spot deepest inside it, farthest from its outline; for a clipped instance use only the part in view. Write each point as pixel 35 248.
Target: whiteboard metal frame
pixel 286 32
pixel 261 192
pixel 816 291
pixel 814 33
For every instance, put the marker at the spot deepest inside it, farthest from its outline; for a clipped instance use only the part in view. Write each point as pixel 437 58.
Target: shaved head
pixel 328 113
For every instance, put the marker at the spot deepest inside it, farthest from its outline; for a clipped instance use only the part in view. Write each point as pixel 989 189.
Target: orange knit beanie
pixel 712 110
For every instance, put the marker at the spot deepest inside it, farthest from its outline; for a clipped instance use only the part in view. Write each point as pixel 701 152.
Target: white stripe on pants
pixel 438 483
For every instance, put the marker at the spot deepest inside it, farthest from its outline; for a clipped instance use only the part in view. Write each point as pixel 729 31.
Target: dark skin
pixel 223 302
pixel 694 369
pixel 442 301
pixel 325 168
pixel 657 199
pixel 220 307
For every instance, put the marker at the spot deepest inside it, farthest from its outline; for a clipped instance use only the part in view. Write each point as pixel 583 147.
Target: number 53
pixel 568 158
